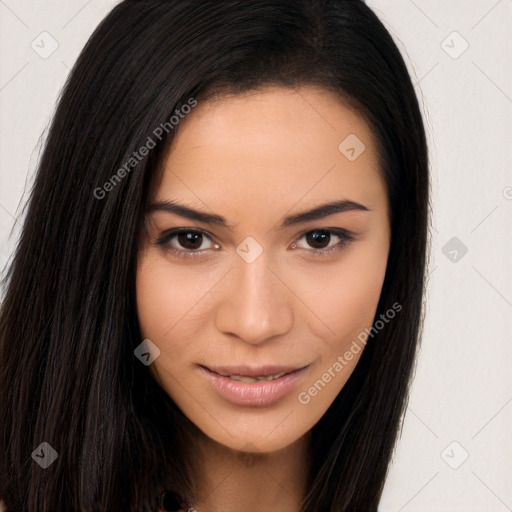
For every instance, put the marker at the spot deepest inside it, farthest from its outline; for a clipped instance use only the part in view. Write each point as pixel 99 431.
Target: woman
pixel 216 300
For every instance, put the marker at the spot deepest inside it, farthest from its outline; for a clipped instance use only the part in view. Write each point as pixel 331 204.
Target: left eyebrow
pixel 322 211
pixel 316 213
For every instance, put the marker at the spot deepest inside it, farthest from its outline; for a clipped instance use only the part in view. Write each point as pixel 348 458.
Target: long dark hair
pixel 68 324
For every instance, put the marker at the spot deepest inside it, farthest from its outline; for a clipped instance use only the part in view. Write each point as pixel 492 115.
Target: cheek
pixel 153 300
pixel 344 296
pixel 354 300
pixel 166 298
pixel 172 307
pixel 161 303
pixel 347 305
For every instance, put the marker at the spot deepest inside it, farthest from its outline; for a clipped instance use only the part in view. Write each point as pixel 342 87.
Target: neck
pixel 229 480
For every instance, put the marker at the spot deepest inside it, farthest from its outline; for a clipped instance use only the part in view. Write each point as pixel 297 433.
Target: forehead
pixel 272 144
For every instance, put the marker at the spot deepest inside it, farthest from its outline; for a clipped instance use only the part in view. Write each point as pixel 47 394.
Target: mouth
pixel 251 375
pixel 254 386
pixel 251 380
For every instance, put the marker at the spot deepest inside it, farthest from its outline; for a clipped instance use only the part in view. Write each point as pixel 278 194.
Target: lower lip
pixel 257 394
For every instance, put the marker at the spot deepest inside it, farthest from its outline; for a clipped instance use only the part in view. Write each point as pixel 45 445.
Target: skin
pixel 254 159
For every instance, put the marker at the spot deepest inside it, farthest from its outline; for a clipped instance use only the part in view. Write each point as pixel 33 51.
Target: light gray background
pixel 461 398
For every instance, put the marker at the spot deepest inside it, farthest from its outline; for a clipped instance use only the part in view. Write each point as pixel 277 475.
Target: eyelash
pixel 165 237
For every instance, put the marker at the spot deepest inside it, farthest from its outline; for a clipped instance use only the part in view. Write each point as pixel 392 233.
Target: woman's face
pixel 246 273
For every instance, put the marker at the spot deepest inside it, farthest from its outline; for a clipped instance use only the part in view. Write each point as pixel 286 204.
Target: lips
pixel 254 386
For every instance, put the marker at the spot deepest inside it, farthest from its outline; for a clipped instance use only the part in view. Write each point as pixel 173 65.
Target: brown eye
pixel 324 242
pixel 186 243
pixel 318 239
pixel 190 239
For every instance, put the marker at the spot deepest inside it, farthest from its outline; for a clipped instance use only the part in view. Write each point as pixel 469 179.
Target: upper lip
pixel 253 371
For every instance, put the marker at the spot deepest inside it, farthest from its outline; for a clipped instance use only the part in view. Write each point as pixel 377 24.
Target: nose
pixel 255 305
